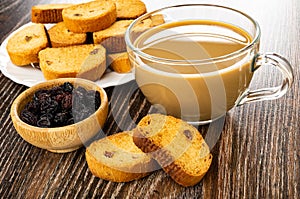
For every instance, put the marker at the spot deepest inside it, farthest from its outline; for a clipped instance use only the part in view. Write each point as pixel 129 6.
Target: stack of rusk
pixel 84 40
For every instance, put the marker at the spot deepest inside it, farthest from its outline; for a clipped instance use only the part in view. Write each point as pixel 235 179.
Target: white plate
pixel 30 76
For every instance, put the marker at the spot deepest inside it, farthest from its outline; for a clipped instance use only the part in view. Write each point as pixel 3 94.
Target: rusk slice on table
pixel 116 158
pixel 48 13
pixel 112 38
pixel 119 62
pixel 177 146
pixel 85 61
pixel 61 36
pixel 90 17
pixel 23 47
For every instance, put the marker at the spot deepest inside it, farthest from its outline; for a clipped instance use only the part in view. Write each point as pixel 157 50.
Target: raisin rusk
pixel 89 17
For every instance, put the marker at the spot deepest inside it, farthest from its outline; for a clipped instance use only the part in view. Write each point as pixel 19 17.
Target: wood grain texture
pixel 256 155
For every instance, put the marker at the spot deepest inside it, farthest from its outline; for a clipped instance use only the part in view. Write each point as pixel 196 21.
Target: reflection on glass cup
pixel 199 63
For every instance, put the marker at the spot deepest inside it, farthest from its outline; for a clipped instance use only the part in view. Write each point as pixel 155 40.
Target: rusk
pixel 23 47
pixel 116 158
pixel 149 22
pixel 119 62
pixel 85 61
pixel 112 38
pixel 90 17
pixel 130 9
pixel 177 146
pixel 61 36
pixel 47 13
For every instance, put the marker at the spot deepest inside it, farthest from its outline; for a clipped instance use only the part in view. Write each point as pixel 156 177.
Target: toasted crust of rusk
pixel 177 146
pixel 119 62
pixel 23 47
pixel 112 38
pixel 116 158
pixel 48 13
pixel 61 36
pixel 85 61
pixel 89 17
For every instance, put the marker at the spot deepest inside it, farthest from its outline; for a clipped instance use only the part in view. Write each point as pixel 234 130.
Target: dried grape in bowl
pixel 60 106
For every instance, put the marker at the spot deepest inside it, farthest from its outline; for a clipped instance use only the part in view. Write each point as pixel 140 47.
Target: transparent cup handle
pixel 271 93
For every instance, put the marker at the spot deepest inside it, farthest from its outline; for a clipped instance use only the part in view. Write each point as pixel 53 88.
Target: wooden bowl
pixel 60 139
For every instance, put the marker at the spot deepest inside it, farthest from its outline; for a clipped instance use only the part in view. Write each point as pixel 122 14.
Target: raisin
pixel 44 122
pixel 67 87
pixel 66 102
pixel 54 90
pixel 33 106
pixel 77 15
pixel 94 52
pixel 47 115
pixel 28 117
pixel 108 154
pixel 48 105
pixel 188 134
pixel 49 62
pixel 28 38
pixel 59 97
pixel 60 119
pixel 40 95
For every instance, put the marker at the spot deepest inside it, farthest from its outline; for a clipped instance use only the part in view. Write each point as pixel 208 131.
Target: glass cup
pixel 199 61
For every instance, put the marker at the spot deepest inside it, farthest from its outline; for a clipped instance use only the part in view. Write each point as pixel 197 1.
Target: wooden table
pixel 256 156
